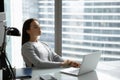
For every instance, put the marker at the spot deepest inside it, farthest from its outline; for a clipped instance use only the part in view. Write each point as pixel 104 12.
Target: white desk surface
pixel 104 71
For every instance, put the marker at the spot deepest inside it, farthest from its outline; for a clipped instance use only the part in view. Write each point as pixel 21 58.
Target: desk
pixel 104 71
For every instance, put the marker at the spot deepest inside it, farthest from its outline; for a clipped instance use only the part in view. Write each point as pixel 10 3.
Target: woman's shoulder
pixel 27 44
pixel 44 43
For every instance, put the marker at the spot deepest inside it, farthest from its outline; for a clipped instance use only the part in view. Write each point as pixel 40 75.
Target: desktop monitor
pixel 1 5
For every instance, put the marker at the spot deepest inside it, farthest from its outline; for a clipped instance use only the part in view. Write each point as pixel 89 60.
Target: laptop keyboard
pixel 74 70
pixel 71 70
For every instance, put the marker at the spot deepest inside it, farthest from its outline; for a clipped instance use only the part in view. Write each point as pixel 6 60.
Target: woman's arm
pixel 53 56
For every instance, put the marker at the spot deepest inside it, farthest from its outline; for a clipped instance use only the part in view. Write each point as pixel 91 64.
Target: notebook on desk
pixel 23 73
pixel 88 64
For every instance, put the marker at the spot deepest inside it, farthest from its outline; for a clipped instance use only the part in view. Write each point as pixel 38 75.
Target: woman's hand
pixel 69 63
pixel 74 64
pixel 66 63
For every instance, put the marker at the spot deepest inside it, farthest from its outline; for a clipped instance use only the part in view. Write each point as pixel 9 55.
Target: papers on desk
pixel 47 77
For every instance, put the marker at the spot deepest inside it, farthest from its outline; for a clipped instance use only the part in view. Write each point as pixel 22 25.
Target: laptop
pixel 88 64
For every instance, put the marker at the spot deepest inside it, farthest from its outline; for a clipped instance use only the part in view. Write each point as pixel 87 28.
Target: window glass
pixel 92 26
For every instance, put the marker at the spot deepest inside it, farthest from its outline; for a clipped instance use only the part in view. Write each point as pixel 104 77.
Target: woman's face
pixel 34 30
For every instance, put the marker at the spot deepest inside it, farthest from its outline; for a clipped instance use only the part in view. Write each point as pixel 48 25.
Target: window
pixel 91 26
pixel 83 26
pixel 46 17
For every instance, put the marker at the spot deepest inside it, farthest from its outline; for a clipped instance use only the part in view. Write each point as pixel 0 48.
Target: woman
pixel 36 53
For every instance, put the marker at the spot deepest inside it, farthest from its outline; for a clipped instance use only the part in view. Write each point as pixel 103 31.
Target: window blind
pixel 46 18
pixel 88 26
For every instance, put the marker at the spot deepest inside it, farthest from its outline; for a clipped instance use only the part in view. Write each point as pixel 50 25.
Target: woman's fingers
pixel 71 63
pixel 75 64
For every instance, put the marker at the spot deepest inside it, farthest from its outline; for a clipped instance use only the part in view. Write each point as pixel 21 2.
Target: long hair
pixel 26 26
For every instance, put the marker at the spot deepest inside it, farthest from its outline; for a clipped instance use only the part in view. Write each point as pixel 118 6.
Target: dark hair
pixel 26 26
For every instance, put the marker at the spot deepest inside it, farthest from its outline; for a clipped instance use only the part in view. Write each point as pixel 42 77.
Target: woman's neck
pixel 33 39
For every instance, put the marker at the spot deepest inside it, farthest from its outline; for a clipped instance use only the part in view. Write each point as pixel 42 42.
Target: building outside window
pixel 87 26
pixel 92 25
